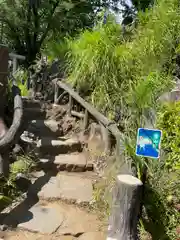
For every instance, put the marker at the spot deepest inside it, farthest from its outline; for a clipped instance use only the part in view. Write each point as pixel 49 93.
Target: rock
pixel 3 227
pixel 92 236
pixel 68 123
pixel 66 187
pixel 172 96
pixel 177 207
pixel 55 147
pixel 37 174
pixel 56 113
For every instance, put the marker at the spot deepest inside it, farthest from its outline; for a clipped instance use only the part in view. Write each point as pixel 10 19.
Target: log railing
pixel 89 110
pixel 127 193
pixel 12 134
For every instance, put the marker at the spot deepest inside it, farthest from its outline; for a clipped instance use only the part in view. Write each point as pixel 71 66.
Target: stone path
pixel 18 235
pixel 56 206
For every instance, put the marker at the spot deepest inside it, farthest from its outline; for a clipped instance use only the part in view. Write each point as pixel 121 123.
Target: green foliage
pixel 92 62
pixel 142 98
pixel 22 165
pixel 27 24
pixel 102 62
pixel 142 4
pixel 161 196
pixel 21 77
pixel 169 123
pixel 8 187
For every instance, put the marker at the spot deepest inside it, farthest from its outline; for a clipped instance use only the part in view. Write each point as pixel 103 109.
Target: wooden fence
pixel 127 193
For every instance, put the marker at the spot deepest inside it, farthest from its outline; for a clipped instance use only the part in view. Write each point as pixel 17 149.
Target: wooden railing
pixel 127 193
pixel 89 110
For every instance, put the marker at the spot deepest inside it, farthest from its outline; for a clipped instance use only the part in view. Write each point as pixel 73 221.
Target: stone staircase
pixel 56 205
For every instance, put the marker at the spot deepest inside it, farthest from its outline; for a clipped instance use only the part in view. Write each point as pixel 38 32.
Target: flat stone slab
pixel 37 219
pixel 44 220
pixel 74 159
pixel 71 188
pixel 70 162
pixel 75 222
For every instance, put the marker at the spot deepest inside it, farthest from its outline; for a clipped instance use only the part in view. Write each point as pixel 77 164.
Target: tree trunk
pixel 125 208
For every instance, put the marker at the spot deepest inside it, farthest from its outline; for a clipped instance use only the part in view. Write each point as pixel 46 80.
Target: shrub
pixel 21 77
pixel 162 194
pixel 101 61
pixel 169 123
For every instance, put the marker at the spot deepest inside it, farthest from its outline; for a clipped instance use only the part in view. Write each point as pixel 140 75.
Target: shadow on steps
pixel 17 215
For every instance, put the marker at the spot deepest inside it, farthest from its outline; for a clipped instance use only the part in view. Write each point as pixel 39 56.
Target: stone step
pixel 45 128
pixel 49 146
pixel 72 188
pixel 34 113
pixel 76 162
pixel 31 103
pixel 53 219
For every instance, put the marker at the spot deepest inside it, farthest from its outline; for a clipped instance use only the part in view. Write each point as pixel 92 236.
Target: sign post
pixel 148 142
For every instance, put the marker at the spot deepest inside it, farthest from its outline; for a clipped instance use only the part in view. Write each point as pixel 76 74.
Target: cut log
pixel 125 208
pixel 11 134
pixel 77 114
pixel 106 138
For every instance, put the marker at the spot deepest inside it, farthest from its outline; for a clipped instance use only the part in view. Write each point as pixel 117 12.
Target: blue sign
pixel 148 143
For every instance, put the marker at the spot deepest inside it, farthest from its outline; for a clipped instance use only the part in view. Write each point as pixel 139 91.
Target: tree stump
pixel 125 208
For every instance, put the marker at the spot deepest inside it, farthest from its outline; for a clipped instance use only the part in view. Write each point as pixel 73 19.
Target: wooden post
pixel 70 105
pixel 85 121
pixel 106 138
pixel 14 64
pixel 55 93
pixel 125 208
pixel 60 97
